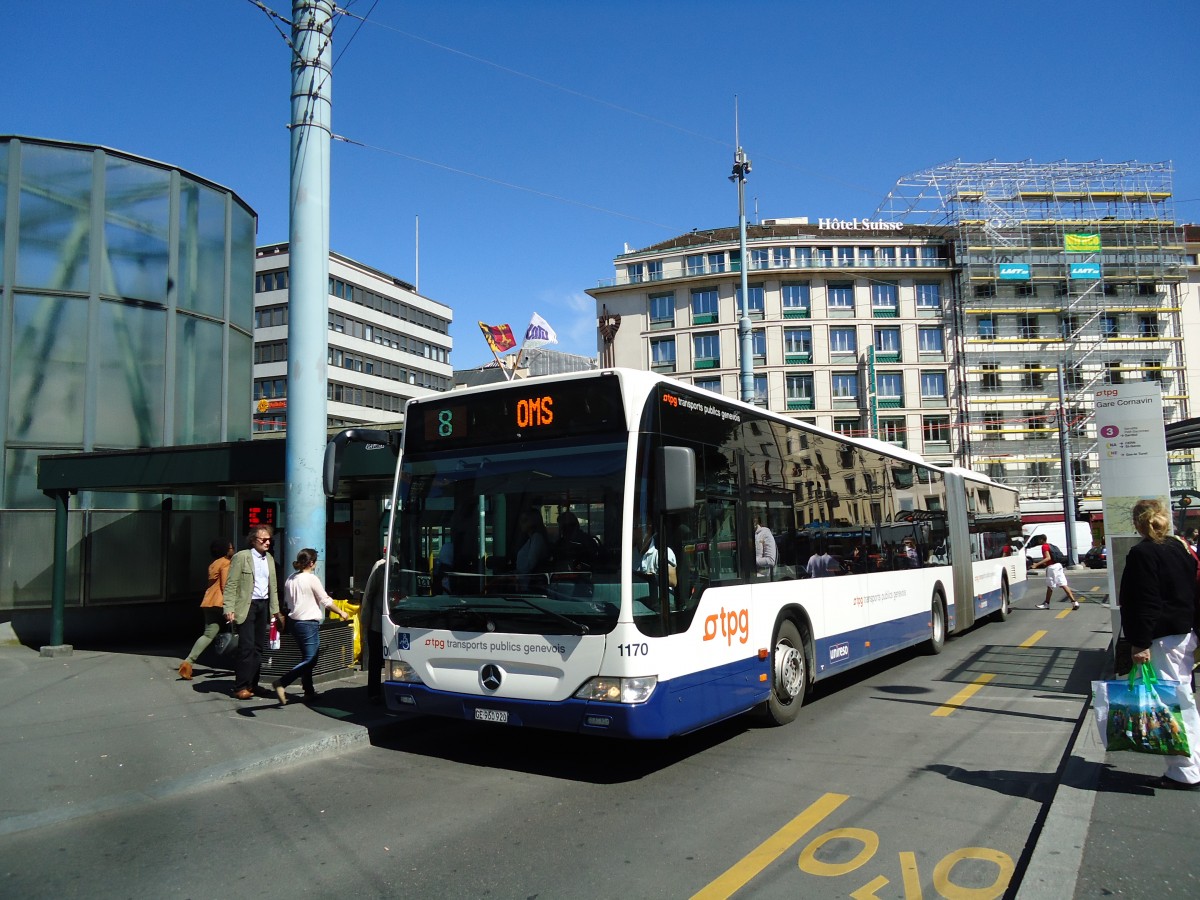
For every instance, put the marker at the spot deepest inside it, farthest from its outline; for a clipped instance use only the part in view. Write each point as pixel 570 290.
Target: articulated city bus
pixel 579 553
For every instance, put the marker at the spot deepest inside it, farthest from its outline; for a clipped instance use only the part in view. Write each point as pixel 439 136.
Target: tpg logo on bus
pixel 732 623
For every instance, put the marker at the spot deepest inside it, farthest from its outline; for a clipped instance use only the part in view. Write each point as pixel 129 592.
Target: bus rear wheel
pixel 789 675
pixel 937 631
pixel 1001 615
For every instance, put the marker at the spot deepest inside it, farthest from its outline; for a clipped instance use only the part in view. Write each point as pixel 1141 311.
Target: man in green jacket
pixel 252 600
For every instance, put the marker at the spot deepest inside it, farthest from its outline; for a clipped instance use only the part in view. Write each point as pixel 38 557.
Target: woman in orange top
pixel 213 602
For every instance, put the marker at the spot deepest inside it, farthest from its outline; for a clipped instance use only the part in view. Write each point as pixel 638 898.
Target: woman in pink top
pixel 307 603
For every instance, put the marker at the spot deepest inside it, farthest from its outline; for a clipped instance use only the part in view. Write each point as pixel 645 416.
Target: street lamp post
pixel 741 168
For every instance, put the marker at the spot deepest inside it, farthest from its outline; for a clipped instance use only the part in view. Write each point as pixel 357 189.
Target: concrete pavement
pixel 110 728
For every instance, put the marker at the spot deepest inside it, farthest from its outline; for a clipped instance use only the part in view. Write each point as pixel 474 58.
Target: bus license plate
pixel 491 715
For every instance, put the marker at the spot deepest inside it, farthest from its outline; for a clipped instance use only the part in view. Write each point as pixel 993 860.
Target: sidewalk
pixel 107 729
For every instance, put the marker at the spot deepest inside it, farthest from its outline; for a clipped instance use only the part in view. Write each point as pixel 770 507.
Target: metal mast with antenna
pixel 741 168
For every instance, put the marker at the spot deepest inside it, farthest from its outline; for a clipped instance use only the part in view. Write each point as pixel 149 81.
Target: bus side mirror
pixel 677 478
pixel 333 452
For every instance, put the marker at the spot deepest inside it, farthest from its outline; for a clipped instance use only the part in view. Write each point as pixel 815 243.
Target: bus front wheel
pixel 789 675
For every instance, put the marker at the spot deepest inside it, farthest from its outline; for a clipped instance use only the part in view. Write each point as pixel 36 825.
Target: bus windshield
pixel 523 541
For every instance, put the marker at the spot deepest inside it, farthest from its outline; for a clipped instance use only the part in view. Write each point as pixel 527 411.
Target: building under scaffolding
pixel 1072 268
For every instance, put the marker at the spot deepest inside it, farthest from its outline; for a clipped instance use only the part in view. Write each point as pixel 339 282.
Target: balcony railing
pixel 673 269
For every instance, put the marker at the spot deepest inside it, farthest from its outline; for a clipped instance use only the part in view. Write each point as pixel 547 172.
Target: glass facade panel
pixel 202 249
pixel 241 379
pixel 241 268
pixel 49 362
pixel 198 405
pixel 3 205
pixel 136 220
pixel 129 388
pixel 55 218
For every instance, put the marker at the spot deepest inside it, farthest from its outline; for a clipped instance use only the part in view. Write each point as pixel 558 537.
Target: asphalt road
pixel 924 776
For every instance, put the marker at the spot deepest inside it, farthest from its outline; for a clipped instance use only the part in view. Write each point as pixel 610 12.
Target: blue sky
pixel 535 139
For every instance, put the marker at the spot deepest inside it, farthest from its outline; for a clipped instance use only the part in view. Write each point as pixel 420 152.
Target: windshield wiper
pixel 579 626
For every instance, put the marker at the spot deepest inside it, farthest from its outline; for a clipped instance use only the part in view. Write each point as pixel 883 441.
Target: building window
pixel 1031 377
pixel 891 430
pixel 933 387
pixel 662 309
pixel 662 354
pixel 866 256
pixel 887 256
pixel 841 296
pixel 706 350
pixel 1148 326
pixel 1027 327
pixel 1074 378
pixel 887 344
pixel 799 390
pixel 1068 326
pixel 991 422
pixel 760 390
pixel 271 281
pixel 781 257
pixel 850 428
pixel 704 306
pixel 825 257
pixel 984 291
pixel 991 376
pixel 885 299
pixel 936 430
pixel 908 256
pixel 707 383
pixel 929 295
pixel 803 257
pixel 716 262
pixel 268 316
pixel 758 258
pixel 1112 372
pixel 889 388
pixel 987 327
pixel 754 308
pixel 636 272
pixel 758 338
pixel 843 340
pixel 1108 327
pixel 931 340
pixel 845 257
pixel 1153 369
pixel 695 264
pixel 796 300
pixel 844 385
pixel 797 342
pixel 655 268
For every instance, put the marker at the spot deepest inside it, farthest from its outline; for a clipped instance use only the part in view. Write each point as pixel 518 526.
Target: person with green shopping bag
pixel 1158 610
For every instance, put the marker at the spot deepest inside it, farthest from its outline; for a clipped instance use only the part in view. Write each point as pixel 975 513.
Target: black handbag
pixel 226 642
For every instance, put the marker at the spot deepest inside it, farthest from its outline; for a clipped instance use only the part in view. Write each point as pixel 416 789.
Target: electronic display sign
pixel 543 410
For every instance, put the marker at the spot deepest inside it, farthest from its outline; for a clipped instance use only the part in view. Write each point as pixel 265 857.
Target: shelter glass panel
pixel 55 218
pixel 129 389
pixel 201 249
pixel 49 335
pixel 137 211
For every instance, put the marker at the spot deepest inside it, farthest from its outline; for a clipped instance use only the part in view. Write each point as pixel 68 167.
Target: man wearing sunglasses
pixel 252 600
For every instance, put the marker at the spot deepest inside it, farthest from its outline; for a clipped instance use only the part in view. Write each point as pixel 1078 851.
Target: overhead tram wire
pixel 609 104
pixel 507 184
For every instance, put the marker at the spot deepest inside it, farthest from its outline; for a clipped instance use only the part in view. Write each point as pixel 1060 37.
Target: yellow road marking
pixel 1033 638
pixel 1063 614
pixel 748 867
pixel 962 696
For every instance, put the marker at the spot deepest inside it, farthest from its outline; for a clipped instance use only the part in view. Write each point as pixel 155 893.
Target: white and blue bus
pixel 578 553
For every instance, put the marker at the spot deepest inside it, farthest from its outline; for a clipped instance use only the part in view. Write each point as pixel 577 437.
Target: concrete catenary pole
pixel 308 276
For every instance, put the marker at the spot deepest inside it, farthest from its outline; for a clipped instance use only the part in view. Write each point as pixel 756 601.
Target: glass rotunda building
pixel 127 307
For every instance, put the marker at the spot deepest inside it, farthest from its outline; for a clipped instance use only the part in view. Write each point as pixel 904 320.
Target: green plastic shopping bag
pixel 1142 714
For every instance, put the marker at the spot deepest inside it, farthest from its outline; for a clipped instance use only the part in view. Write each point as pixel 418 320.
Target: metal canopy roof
pixel 204 469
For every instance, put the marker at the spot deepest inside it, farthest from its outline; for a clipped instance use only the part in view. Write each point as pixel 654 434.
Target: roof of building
pixel 776 228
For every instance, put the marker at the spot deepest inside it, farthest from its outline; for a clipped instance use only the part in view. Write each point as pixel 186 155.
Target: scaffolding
pixel 1064 266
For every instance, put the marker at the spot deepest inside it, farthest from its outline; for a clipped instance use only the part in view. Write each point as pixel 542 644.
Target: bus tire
pixel 937 631
pixel 789 674
pixel 1001 615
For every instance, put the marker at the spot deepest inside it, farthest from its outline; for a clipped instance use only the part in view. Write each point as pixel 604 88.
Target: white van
pixel 1056 534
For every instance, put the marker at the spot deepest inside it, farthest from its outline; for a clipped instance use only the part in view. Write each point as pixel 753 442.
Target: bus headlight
pixel 399 670
pixel 618 690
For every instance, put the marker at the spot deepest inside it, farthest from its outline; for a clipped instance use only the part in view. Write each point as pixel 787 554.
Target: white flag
pixel 539 333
